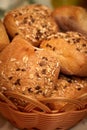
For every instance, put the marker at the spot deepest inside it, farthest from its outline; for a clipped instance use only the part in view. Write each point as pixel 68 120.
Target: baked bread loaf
pixel 69 87
pixel 28 70
pixel 71 18
pixel 33 22
pixel 4 39
pixel 71 49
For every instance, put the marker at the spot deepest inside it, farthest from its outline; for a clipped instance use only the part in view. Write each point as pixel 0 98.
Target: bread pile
pixel 41 61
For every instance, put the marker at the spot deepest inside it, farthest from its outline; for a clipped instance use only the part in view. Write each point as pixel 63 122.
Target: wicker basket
pixel 37 115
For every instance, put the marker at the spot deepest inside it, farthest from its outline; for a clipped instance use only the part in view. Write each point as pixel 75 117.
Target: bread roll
pixel 33 22
pixel 71 18
pixel 28 70
pixel 4 39
pixel 71 50
pixel 69 87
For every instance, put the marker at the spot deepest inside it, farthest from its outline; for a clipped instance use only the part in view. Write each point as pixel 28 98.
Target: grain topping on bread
pixel 76 38
pixel 68 84
pixel 33 22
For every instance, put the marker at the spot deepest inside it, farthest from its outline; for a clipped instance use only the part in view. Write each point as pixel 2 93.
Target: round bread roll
pixel 27 69
pixel 71 50
pixel 4 39
pixel 71 18
pixel 69 87
pixel 33 22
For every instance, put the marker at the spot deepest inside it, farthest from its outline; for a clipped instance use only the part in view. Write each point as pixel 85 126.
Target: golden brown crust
pixel 26 69
pixel 71 18
pixel 33 22
pixel 4 40
pixel 71 49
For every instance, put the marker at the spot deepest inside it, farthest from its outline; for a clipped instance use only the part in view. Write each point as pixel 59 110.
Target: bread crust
pixel 4 39
pixel 33 22
pixel 71 49
pixel 71 18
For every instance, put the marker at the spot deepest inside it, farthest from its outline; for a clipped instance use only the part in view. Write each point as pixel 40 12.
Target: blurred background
pixel 6 5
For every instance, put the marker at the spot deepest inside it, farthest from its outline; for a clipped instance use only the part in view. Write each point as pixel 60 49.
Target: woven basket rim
pixel 40 120
pixel 43 113
pixel 35 103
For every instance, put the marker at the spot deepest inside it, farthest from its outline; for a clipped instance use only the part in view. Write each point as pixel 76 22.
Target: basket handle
pixel 3 97
pixel 41 103
pixel 30 100
pixel 83 97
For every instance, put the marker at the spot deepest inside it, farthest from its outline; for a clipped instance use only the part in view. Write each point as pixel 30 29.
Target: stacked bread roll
pixel 33 22
pixel 71 49
pixel 71 18
pixel 41 62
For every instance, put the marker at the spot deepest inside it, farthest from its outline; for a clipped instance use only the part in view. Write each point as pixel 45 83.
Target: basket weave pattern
pixel 36 114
